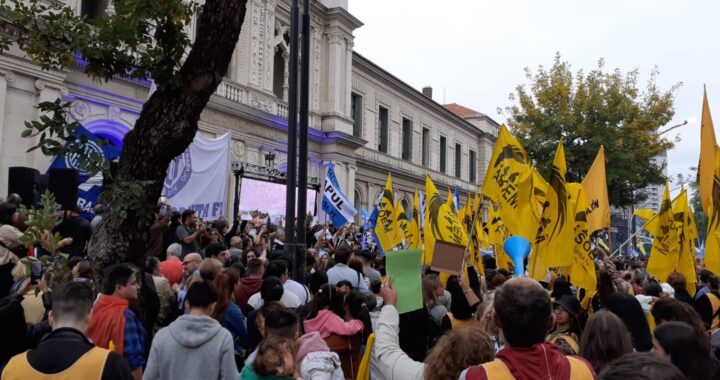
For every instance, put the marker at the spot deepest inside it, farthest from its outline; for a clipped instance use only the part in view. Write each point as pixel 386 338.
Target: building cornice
pixel 342 15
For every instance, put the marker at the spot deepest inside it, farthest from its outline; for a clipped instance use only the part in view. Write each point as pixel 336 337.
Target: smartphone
pixel 35 272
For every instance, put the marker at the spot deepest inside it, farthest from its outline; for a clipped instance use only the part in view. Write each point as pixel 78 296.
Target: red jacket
pixel 248 287
pixel 539 362
pixel 108 322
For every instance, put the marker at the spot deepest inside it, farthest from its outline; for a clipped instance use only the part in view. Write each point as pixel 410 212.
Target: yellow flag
pixel 413 233
pixel 386 228
pixel 666 247
pixel 479 240
pixel 540 190
pixel 451 201
pixel 645 213
pixel 509 184
pixel 554 241
pixel 440 222
pixel 403 224
pixel 462 215
pixel 595 186
pixel 497 233
pixel 712 242
pixel 582 272
pixel 708 147
pixel 687 233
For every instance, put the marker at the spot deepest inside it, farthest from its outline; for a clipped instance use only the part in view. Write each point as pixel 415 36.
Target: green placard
pixel 405 268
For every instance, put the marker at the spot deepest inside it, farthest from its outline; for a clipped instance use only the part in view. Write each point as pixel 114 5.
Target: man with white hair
pixel 172 268
pixel 236 246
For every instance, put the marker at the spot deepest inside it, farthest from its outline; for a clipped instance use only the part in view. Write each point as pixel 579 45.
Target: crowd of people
pixel 215 300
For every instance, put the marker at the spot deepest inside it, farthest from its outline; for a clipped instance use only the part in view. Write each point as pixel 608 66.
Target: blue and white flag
pixel 89 188
pixel 456 198
pixel 334 203
pixel 365 218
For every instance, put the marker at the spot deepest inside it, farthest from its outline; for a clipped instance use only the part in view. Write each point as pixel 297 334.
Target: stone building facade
pixel 362 118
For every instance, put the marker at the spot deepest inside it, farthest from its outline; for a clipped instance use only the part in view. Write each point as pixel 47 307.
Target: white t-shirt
pixel 288 299
pixel 298 289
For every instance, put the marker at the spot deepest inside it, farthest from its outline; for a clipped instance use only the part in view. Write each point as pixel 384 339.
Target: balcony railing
pixel 259 100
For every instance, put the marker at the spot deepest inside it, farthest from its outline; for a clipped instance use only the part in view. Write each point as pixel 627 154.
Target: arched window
pixel 280 69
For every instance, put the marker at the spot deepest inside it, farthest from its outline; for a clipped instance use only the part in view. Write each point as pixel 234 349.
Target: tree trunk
pixel 166 127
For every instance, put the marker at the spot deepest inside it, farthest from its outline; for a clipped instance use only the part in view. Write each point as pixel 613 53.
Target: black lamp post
pixel 238 170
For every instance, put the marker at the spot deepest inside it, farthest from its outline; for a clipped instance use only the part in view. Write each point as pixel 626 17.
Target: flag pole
pixel 472 231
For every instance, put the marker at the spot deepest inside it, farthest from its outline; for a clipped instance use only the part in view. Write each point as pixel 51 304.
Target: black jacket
pixel 64 346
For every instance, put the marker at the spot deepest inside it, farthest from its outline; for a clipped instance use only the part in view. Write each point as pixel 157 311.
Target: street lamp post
pixel 299 257
pixel 238 172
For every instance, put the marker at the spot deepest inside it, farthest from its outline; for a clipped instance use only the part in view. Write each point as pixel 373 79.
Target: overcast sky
pixel 473 52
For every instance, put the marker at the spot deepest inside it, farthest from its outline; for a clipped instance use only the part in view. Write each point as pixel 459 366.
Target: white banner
pixel 198 178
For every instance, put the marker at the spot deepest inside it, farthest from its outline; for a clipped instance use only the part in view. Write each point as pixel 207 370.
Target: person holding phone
pixel 188 232
pixel 157 230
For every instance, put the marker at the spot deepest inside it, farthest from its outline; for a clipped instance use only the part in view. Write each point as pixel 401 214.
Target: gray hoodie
pixel 192 348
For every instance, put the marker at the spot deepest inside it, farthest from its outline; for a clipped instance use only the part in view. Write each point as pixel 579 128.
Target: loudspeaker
pixel 28 183
pixel 64 184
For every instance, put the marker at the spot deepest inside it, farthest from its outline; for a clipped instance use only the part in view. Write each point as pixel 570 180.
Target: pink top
pixel 327 323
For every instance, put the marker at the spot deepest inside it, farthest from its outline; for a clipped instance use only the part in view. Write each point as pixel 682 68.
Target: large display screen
pixel 268 197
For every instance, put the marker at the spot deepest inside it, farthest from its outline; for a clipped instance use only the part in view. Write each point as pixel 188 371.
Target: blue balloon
pixel 518 248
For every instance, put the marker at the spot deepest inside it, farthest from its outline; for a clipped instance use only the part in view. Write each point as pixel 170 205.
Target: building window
pixel 356 106
pixel 458 160
pixel 384 121
pixel 425 147
pixel 279 74
pixel 443 154
pixel 473 168
pixel 93 8
pixel 407 132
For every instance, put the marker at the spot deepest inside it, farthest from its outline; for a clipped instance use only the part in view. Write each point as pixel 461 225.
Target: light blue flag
pixel 335 204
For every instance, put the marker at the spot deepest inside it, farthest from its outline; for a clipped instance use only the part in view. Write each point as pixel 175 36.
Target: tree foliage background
pixel 143 39
pixel 592 109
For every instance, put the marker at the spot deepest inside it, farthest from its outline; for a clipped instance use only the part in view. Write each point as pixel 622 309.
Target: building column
pixel 350 184
pixel 47 92
pixel 335 71
pixel 5 77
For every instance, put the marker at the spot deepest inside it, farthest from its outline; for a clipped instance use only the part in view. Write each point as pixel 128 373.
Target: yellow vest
pixel 90 366
pixel 497 370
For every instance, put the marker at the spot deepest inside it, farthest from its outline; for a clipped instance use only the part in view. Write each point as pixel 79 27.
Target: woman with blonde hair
pixel 456 351
pixel 433 293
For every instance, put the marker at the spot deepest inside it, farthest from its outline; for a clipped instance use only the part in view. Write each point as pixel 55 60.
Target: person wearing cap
pixel 566 332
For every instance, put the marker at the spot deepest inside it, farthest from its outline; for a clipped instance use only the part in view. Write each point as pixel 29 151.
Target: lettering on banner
pixel 210 211
pixel 333 195
pixel 507 182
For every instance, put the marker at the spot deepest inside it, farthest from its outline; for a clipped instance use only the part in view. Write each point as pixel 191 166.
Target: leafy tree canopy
pixel 589 110
pixel 142 39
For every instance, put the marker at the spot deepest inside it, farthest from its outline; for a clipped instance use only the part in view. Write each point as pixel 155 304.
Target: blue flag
pixel 335 203
pixel 89 187
pixel 456 198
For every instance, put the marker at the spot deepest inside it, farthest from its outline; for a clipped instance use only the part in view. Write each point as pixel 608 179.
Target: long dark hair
pixel 326 298
pixel 687 350
pixel 605 339
pixel 672 310
pixel 629 310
